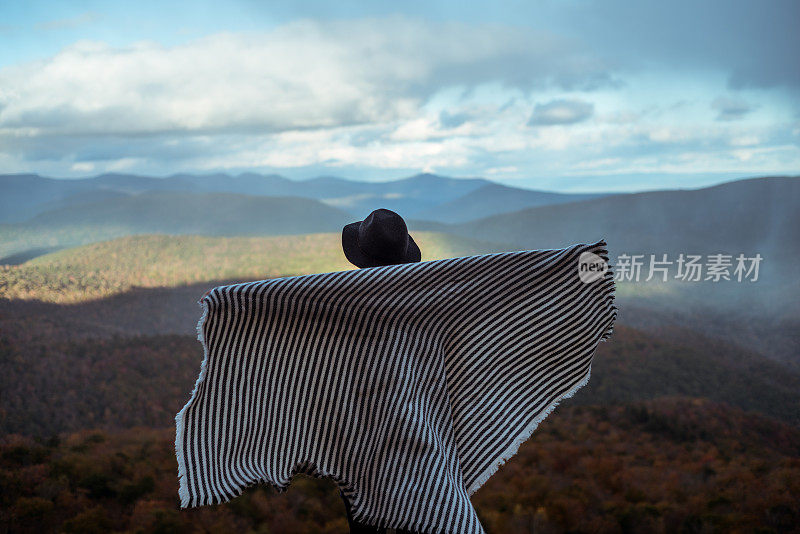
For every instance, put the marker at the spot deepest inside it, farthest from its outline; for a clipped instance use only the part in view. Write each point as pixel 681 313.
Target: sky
pixel 573 95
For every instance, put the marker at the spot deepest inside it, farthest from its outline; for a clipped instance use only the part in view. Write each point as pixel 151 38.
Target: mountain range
pixel 759 216
pixel 23 196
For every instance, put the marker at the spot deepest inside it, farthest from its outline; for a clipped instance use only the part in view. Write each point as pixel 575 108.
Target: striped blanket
pixel 408 385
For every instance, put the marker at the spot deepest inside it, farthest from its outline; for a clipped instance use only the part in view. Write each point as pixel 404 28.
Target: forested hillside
pixel 110 267
pixel 119 382
pixel 670 465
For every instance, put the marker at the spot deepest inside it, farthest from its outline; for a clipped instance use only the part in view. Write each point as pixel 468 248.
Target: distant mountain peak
pixel 425 176
pixel 255 176
pixel 326 178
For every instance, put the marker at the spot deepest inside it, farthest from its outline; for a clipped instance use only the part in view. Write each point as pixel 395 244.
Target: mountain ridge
pixel 27 194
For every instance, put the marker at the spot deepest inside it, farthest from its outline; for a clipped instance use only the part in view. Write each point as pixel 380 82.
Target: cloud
pixel 82 166
pixel 304 74
pixel 562 111
pixel 730 108
pixel 376 96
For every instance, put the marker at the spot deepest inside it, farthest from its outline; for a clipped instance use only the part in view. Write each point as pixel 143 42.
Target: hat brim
pixel 355 256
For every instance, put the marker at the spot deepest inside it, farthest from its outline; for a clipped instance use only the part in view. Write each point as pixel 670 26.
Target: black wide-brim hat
pixel 382 238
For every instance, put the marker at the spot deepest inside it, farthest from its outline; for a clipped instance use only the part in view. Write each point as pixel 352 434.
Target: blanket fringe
pixel 509 453
pixel 609 280
pixel 183 490
pixel 525 435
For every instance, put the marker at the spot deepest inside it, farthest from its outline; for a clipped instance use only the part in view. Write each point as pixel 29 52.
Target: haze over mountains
pixel 491 199
pixel 178 212
pixel 759 214
pixel 731 218
pixel 749 217
pixel 22 196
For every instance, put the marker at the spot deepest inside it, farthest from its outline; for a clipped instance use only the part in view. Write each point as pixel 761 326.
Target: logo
pixel 591 267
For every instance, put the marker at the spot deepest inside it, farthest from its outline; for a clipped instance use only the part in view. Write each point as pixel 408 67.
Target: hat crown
pixel 383 234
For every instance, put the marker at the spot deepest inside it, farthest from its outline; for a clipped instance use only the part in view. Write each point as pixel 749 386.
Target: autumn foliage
pixel 676 431
pixel 670 465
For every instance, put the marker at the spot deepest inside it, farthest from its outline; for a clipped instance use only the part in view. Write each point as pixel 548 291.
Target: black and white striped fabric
pixel 408 385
